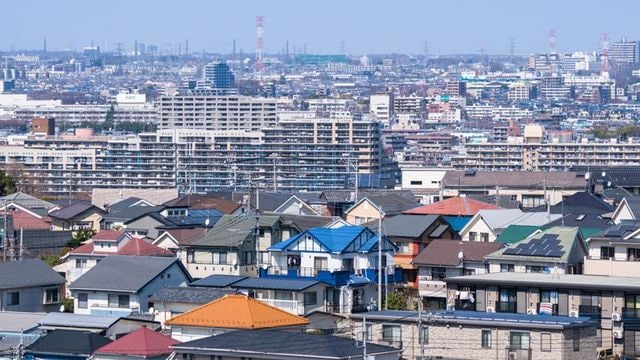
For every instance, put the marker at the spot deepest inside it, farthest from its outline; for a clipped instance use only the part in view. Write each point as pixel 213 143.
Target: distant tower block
pixel 552 42
pixel 604 56
pixel 259 47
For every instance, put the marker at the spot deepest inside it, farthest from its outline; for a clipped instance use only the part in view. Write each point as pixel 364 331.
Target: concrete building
pixel 381 107
pixel 624 51
pixel 218 75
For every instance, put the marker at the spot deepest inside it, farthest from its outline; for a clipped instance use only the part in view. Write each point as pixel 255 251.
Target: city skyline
pixel 358 27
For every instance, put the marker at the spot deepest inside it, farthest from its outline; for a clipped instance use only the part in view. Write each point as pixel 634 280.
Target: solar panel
pixel 615 232
pixel 510 252
pixel 627 227
pixel 556 253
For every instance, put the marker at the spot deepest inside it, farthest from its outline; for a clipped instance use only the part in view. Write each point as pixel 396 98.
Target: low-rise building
pixel 29 285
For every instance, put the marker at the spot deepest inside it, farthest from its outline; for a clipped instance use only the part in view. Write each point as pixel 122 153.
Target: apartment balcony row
pixel 333 276
pixel 611 266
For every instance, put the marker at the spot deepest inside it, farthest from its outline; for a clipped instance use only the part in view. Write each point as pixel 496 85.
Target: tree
pixel 79 237
pixel 395 301
pixel 109 119
pixel 7 184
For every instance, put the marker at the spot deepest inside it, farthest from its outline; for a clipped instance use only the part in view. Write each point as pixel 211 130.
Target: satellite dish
pixel 608 183
pixel 587 176
pixel 460 255
pixel 206 222
pixel 604 173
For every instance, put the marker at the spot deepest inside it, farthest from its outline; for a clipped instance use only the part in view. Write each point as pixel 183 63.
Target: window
pixel 486 339
pixel 369 332
pixel 219 258
pixel 310 298
pixel 403 248
pixel 391 333
pixel 13 298
pixel 468 271
pixel 507 268
pixel 424 335
pixel 473 236
pixel 633 254
pixel 248 258
pixel 438 273
pixel 484 237
pixel 519 340
pixel 507 301
pixel 51 296
pixel 576 339
pixel 191 256
pixel 81 263
pixel 347 264
pixel 283 295
pixel 83 300
pixel 607 252
pixel 118 301
pixel 534 269
pixel 416 182
pixel 545 342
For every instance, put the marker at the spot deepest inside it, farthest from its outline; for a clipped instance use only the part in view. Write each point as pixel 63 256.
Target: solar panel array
pixel 621 230
pixel 547 245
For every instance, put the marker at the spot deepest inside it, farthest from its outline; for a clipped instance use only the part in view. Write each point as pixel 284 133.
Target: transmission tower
pixel 259 47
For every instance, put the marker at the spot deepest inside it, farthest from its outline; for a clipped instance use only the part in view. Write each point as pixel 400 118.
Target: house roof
pixel 275 284
pixel 633 204
pixel 348 196
pixel 581 203
pixel 133 247
pixel 24 220
pixel 218 280
pixel 512 179
pixel 141 342
pixel 189 294
pixel 625 231
pixel 452 206
pixel 122 273
pixel 501 218
pixel 280 344
pixel 185 235
pixel 73 210
pixel 129 213
pixel 27 273
pixel 131 201
pixel 109 235
pixel 335 240
pixel 514 233
pixel 534 248
pixel 68 342
pixel 28 201
pixel 389 203
pixel 446 252
pixel 200 201
pixel 62 319
pixel 304 222
pixel 232 231
pixel 404 225
pixel 18 321
pixel 237 312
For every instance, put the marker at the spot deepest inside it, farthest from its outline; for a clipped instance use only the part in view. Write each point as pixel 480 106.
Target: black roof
pixel 218 280
pixel 27 273
pixel 278 342
pixel 189 295
pixel 579 203
pixel 68 342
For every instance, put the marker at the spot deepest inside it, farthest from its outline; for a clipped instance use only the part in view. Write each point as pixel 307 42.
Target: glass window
pixel 13 298
pixel 83 300
pixel 81 263
pixel 507 268
pixel 118 301
pixel 484 237
pixel 486 339
pixel 576 339
pixel 607 252
pixel 310 298
pixel 438 273
pixel 369 332
pixel 283 295
pixel 347 264
pixel 545 342
pixel 51 296
pixel 507 301
pixel 519 340
pixel 473 236
pixel 424 335
pixel 633 254
pixel 391 333
pixel 535 269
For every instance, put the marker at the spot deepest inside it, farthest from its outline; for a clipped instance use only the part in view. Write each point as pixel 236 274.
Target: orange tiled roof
pixel 237 312
pixel 453 206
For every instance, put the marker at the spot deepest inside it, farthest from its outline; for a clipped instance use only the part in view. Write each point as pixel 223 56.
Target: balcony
pixel 335 276
pixel 610 267
pixel 292 306
pixel 506 307
pixel 592 311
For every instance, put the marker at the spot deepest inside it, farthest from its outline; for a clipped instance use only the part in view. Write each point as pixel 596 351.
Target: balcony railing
pixel 293 306
pixel 506 307
pixel 592 311
pixel 630 313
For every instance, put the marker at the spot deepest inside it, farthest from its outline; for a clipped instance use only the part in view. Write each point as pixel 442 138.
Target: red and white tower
pixel 259 47
pixel 604 56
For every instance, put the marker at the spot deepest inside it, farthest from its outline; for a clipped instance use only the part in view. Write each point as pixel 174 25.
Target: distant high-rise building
pixel 219 76
pixel 624 52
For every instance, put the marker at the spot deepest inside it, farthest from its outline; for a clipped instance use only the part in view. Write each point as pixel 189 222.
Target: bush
pixel 67 303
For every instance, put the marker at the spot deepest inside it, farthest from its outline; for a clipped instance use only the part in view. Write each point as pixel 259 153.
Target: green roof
pixel 514 233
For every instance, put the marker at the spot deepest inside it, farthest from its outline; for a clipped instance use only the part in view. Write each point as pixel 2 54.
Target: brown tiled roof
pixel 445 252
pixel 201 202
pixel 24 220
pixel 452 206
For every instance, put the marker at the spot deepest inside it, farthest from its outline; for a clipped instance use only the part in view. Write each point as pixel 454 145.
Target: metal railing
pixel 506 307
pixel 592 311
pixel 300 271
pixel 293 306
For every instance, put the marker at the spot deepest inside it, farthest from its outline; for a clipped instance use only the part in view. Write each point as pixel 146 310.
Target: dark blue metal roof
pixel 275 284
pixel 218 280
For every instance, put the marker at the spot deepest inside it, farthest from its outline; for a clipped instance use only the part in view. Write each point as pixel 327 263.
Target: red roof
pixel 452 206
pixel 108 235
pixel 142 342
pixel 134 247
pixel 24 220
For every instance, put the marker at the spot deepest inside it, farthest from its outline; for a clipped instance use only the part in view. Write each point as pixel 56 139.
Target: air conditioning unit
pixel 491 309
pixel 531 311
pixel 513 356
pixel 618 334
pixel 573 313
pixel 616 317
pixel 451 307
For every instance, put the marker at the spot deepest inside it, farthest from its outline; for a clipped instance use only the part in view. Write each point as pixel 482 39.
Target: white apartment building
pixel 381 107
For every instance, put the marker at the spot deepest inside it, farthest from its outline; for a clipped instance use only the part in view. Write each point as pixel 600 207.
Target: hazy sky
pixel 372 26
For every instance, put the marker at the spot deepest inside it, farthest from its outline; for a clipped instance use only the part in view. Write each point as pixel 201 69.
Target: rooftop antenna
pixel 259 47
pixel 512 48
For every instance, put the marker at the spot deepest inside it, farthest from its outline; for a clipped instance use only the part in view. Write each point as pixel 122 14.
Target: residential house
pixel 627 209
pixel 126 210
pixel 170 301
pixel 282 345
pixel 374 206
pixel 615 251
pixel 65 345
pixel 582 209
pixel 232 312
pixel 479 335
pixel 182 205
pixel 140 344
pixel 556 250
pixel 29 285
pixel 229 247
pixel 104 243
pixel 28 203
pixel 611 301
pixel 296 206
pixel 486 225
pixel 17 329
pixel 35 233
pixel 411 233
pixel 120 285
pixel 457 211
pixel 446 258
pixel 110 326
pixel 76 216
pixel 338 201
pixel 345 258
pixel 172 239
pixel 148 224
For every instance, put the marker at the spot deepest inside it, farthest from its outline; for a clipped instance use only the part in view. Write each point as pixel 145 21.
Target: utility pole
pixel 380 258
pixel 364 337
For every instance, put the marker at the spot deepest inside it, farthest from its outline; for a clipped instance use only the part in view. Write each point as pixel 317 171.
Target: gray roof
pixel 122 273
pixel 405 225
pixel 275 284
pixel 27 273
pixel 189 295
pixel 70 320
pixel 232 231
pixel 129 213
pixel 501 218
pixel 28 201
pixel 218 280
pixel 72 210
pixel 17 321
pixel 551 280
pixel 304 222
pixel 514 179
pixel 125 203
pixel 391 203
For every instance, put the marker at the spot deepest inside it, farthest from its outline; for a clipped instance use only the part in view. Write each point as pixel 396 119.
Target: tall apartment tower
pixel 624 52
pixel 219 75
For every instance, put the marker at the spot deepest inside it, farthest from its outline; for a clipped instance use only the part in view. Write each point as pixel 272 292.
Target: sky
pixel 364 27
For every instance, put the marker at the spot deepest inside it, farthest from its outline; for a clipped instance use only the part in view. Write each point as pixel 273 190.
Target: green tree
pixel 79 237
pixel 67 304
pixel 396 301
pixel 51 260
pixel 109 119
pixel 7 184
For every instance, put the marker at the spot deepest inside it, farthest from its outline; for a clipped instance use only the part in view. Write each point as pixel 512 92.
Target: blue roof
pixel 457 222
pixel 275 284
pixel 334 240
pixel 218 280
